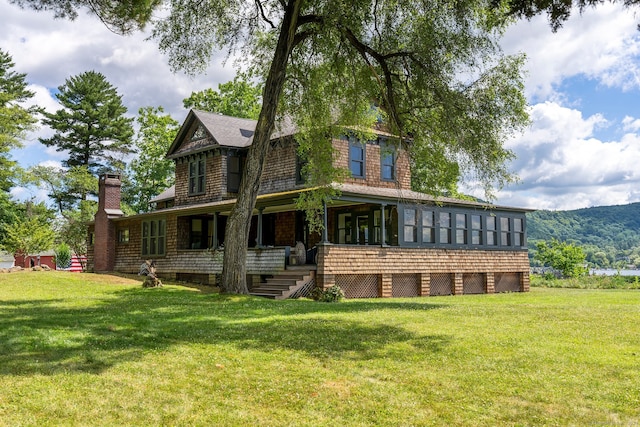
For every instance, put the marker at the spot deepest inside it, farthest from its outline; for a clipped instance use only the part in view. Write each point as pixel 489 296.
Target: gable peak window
pixel 199 133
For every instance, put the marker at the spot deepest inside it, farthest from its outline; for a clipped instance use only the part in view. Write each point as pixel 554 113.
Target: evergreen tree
pixel 91 126
pixel 15 119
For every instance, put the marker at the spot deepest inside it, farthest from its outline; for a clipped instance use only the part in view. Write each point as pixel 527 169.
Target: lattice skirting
pixel 405 285
pixel 441 284
pixel 474 283
pixel 507 282
pixel 358 285
pixel 304 291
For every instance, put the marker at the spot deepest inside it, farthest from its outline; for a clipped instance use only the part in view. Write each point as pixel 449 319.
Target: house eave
pixel 349 194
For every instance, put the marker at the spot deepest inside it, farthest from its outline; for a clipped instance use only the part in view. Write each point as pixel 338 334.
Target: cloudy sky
pixel 583 85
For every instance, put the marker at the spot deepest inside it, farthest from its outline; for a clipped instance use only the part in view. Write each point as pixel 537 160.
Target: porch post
pixel 259 238
pixel 325 233
pixel 214 236
pixel 383 229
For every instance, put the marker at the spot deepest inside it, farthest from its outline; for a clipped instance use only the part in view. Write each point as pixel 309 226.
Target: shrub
pixel 565 257
pixel 587 282
pixel 332 294
pixel 63 256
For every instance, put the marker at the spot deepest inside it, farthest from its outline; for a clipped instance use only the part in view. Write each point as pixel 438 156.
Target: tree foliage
pixel 15 118
pixel 12 212
pixel 150 172
pixel 28 236
pixel 120 16
pixel 73 226
pixel 565 257
pixel 607 234
pixel 237 98
pixel 433 68
pixel 91 126
pixel 65 187
pixel 63 256
pixel 557 11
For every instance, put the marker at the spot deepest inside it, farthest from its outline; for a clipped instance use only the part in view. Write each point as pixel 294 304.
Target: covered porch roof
pixel 349 194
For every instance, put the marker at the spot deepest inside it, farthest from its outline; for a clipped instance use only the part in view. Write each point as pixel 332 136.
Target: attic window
pixel 199 133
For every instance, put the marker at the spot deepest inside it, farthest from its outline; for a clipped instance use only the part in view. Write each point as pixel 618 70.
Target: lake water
pixel 612 272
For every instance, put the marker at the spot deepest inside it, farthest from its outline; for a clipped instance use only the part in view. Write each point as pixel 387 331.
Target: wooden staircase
pixel 295 281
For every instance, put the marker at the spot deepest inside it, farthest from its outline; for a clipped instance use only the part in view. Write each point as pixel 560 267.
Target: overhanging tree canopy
pixel 432 68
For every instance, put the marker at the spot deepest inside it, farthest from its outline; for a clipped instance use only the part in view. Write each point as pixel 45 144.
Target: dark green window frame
pixel 154 237
pixel 505 231
pixel 357 158
pixel 476 230
pixel 461 229
pixel 492 230
pixel 444 227
pixel 197 175
pixel 234 172
pixel 123 235
pixel 387 162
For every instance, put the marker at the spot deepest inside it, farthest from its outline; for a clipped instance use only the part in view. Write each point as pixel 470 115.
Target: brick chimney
pixel 104 249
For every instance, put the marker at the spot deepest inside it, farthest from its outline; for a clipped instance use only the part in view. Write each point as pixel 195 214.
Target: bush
pixel 63 256
pixel 565 257
pixel 332 294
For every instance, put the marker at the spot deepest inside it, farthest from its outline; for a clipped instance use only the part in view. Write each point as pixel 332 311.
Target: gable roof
pixel 167 194
pixel 221 131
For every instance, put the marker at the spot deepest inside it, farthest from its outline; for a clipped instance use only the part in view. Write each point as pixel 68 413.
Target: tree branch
pixel 366 51
pixel 264 17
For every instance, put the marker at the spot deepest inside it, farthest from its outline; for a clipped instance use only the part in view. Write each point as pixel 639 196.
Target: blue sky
pixel 583 85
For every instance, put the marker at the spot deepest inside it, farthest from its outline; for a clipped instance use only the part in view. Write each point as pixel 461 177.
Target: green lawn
pixel 83 349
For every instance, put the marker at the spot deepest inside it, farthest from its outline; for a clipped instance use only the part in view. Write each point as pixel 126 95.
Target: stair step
pixel 287 277
pixel 272 288
pixel 284 283
pixel 275 281
pixel 257 294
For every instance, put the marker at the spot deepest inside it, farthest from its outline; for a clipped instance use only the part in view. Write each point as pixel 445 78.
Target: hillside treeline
pixel 609 235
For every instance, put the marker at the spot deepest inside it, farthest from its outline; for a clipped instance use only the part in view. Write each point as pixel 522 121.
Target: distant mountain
pixel 614 231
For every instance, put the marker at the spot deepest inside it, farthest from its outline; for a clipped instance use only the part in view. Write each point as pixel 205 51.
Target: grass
pixel 615 281
pixel 82 349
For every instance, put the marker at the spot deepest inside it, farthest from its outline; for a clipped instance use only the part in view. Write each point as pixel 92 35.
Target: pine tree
pixel 15 119
pixel 91 126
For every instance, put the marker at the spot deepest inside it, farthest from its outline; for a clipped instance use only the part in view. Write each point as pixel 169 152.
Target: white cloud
pixel 562 166
pixel 603 44
pixel 50 51
pixel 630 124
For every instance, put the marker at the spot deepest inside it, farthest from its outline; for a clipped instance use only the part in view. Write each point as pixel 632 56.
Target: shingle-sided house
pixel 381 239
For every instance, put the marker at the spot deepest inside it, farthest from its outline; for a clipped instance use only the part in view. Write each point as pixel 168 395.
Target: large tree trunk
pixel 234 268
